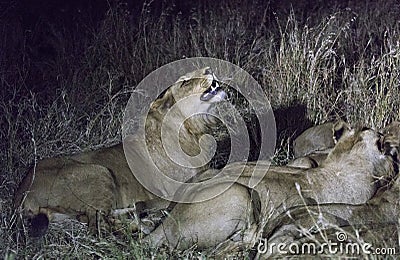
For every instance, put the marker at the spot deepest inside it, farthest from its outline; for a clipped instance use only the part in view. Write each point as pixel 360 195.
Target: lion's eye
pixel 210 92
pixel 208 71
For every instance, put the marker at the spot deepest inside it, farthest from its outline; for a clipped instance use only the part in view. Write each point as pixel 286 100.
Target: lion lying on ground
pixel 90 185
pixel 350 175
pixel 313 145
pixel 374 222
pixel 316 138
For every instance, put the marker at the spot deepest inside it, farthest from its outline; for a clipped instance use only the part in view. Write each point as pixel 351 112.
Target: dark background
pixel 30 25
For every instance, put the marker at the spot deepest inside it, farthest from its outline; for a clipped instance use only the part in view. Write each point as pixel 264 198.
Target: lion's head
pixel 316 138
pixel 313 146
pixel 195 92
pixel 391 139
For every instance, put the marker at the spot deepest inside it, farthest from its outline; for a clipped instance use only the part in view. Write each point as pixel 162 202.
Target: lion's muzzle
pixel 214 93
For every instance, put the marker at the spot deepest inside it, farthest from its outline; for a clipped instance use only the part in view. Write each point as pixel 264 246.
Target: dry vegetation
pixel 69 95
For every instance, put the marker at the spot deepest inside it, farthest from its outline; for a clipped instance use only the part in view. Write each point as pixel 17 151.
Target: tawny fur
pixel 82 186
pixel 349 175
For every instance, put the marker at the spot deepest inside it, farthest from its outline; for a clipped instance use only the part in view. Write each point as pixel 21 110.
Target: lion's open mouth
pixel 213 92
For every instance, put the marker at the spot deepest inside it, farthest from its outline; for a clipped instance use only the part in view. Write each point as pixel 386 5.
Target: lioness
pixel 316 138
pixel 391 139
pixel 313 145
pixel 349 175
pixel 83 185
pixel 374 222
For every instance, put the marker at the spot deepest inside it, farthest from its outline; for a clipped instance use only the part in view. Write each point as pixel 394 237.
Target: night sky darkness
pixel 30 25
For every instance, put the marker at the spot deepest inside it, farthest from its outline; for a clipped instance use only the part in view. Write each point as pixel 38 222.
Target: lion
pixel 383 207
pixel 391 139
pixel 375 221
pixel 312 146
pixel 350 175
pixel 316 138
pixel 92 185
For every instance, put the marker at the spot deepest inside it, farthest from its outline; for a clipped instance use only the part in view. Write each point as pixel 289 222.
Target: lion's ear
pixel 339 129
